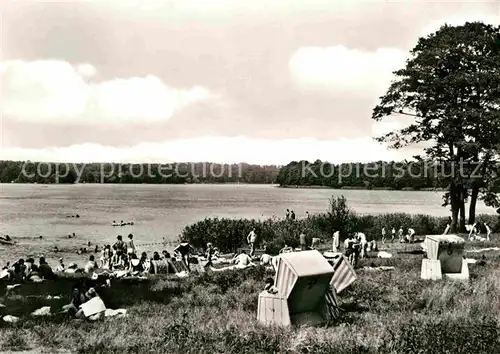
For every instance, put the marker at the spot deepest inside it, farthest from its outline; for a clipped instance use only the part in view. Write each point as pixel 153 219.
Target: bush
pixel 229 234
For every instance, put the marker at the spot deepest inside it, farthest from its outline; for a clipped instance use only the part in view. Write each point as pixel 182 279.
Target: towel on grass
pixel 384 254
pixel 44 311
pixel 10 319
pixel 117 312
pixel 93 306
pixel 484 249
pixel 379 268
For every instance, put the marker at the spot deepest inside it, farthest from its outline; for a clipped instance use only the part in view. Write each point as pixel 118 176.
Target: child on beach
pixel 209 254
pixel 251 238
pixel 130 245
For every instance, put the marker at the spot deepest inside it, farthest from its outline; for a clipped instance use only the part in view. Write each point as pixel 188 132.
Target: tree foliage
pixel 451 85
pixel 176 173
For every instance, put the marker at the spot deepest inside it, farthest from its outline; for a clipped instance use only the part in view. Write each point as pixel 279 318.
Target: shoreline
pixel 136 184
pixel 275 185
pixel 363 188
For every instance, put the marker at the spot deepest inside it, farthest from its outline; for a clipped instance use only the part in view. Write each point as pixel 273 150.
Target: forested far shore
pixel 173 173
pixel 378 175
pixel 413 175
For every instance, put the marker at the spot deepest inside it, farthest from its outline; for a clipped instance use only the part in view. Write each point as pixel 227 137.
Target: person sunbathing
pixel 135 266
pixel 77 298
pixel 117 261
pixel 105 260
pixel 46 271
pixel 93 308
pixel 18 270
pixel 91 265
pixel 286 249
pixel 32 272
pixel 145 262
pixel 265 259
pixel 158 265
pixel 243 260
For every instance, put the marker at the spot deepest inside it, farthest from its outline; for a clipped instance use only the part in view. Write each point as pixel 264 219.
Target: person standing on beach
pixel 130 245
pixel 383 235
pixel 303 245
pixel 361 239
pixel 401 235
pixel 184 250
pixel 287 215
pixel 292 215
pixel 119 246
pixel 411 235
pixel 251 238
pixel 336 241
pixel 209 254
pixel 488 231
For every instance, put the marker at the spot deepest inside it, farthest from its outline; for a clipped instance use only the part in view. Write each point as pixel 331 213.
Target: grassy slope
pixel 386 312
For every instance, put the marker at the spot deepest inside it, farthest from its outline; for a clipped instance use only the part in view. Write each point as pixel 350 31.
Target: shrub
pixel 229 234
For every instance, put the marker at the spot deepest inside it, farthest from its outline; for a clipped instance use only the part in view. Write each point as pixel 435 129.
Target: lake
pixel 162 211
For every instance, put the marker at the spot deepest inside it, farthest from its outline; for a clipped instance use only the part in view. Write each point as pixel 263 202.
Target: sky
pixel 227 81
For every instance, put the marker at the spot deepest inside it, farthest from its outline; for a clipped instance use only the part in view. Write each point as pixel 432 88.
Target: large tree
pixel 451 86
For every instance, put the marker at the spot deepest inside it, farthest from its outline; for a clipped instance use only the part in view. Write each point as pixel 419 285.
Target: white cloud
pixel 55 91
pixel 217 149
pixel 86 70
pixel 346 71
pixel 461 19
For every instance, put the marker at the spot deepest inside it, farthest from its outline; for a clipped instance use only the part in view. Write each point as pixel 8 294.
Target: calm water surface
pixel 162 211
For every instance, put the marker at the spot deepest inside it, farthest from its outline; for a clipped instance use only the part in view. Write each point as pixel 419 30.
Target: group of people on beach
pixel 475 231
pixel 28 270
pixel 122 257
pixel 403 237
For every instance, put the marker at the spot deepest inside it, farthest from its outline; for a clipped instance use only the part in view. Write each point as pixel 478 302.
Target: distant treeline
pixel 376 175
pixel 174 173
pixel 414 175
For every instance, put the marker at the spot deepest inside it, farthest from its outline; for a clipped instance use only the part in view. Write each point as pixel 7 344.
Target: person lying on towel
pixel 286 249
pixel 93 308
pixel 77 298
pixel 244 260
pixel 265 259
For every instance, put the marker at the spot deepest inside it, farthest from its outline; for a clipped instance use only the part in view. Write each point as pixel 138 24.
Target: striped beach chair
pixel 344 275
pixel 178 266
pixel 332 305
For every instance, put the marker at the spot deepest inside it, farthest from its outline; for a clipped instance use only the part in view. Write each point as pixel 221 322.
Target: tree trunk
pixel 461 227
pixel 455 207
pixel 473 202
pixel 462 195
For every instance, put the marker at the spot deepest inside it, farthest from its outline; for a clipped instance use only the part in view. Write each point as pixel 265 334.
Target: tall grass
pixel 384 312
pixel 229 234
